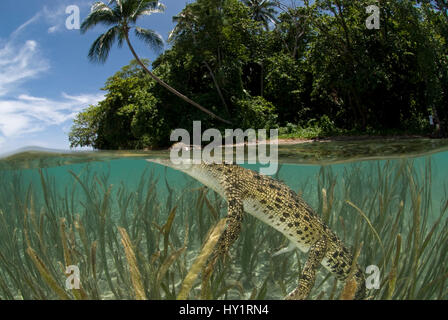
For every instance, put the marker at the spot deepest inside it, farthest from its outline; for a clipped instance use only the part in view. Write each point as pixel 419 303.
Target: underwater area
pixel 138 230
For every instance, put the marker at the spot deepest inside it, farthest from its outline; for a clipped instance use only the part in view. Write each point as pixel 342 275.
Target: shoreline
pixel 292 141
pixel 281 141
pixel 353 138
pixel 350 148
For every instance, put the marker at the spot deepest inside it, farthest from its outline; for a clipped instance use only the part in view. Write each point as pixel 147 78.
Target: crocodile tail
pixel 361 291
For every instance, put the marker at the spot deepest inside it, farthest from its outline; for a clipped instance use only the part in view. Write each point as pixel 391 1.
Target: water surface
pixel 387 197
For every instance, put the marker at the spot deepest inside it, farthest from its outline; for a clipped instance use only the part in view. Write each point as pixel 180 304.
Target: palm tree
pixel 121 17
pixel 262 10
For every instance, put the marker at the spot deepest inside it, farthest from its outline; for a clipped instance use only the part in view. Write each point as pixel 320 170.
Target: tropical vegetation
pixel 299 66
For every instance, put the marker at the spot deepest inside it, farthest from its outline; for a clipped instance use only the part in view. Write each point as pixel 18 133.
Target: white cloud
pixel 23 115
pixel 19 63
pixel 26 24
pixel 56 16
pixel 27 114
pixel 53 29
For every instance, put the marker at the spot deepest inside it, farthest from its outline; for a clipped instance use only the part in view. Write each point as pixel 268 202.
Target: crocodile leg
pixel 308 276
pixel 230 234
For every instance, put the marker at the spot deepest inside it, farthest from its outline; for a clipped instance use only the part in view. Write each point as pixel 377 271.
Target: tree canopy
pixel 316 62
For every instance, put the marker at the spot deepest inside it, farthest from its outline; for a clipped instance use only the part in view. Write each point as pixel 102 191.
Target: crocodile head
pixel 203 172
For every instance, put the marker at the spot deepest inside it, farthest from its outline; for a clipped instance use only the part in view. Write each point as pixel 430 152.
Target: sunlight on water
pixel 65 209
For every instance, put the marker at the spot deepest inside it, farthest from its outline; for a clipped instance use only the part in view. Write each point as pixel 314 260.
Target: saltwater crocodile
pixel 276 204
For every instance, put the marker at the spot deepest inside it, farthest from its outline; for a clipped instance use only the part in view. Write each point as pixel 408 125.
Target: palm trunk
pixel 169 88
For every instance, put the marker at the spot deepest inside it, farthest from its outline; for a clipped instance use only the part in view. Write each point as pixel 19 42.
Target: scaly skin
pixel 276 204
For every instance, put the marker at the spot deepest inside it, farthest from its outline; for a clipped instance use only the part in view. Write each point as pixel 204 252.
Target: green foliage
pixel 323 127
pixel 212 44
pixel 128 117
pixel 285 87
pixel 296 131
pixel 262 10
pixel 84 131
pixel 121 16
pixel 373 78
pixel 256 112
pixel 319 61
pixel 327 125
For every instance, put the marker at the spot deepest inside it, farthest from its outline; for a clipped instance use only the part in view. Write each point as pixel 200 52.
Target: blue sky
pixel 45 76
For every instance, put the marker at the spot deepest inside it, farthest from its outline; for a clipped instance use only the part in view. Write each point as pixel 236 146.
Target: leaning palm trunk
pixel 121 16
pixel 169 88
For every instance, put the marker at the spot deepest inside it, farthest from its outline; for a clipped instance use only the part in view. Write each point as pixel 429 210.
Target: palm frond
pixel 262 11
pixel 118 4
pixel 129 6
pixel 147 8
pixel 99 51
pixel 100 13
pixel 150 37
pixel 184 21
